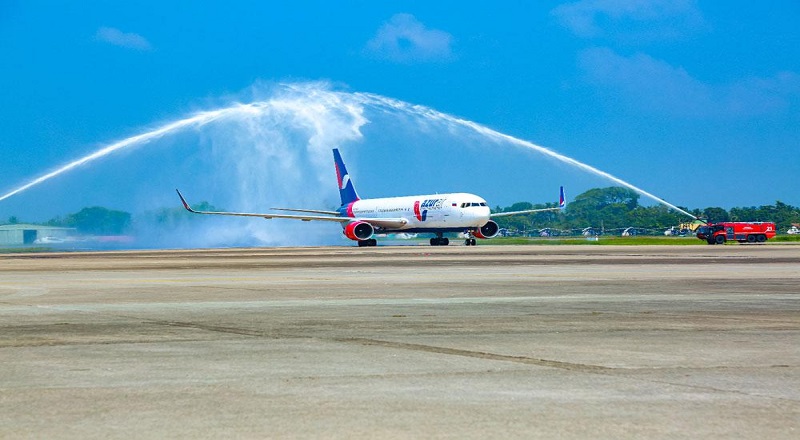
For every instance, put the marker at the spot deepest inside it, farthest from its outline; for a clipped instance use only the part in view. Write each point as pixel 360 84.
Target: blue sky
pixel 697 102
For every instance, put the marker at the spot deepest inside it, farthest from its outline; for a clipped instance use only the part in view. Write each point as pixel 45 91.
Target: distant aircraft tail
pixel 562 201
pixel 346 189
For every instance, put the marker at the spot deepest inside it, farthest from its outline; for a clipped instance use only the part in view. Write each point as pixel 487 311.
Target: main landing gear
pixel 439 240
pixel 370 242
pixel 443 241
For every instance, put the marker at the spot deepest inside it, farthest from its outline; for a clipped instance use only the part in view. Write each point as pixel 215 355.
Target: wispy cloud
pixel 656 86
pixel 403 39
pixel 122 39
pixel 631 19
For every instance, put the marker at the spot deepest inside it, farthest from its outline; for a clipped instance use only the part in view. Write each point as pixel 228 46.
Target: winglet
pixel 185 205
pixel 562 201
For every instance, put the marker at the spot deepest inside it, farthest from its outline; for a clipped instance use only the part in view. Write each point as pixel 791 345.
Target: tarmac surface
pixel 598 342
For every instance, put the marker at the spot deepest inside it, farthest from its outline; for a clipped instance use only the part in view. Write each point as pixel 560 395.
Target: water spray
pixel 196 120
pixel 309 102
pixel 488 132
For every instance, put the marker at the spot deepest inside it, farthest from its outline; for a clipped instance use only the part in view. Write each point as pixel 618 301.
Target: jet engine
pixel 489 230
pixel 359 231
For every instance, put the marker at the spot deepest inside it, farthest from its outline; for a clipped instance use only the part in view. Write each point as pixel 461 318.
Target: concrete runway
pixel 403 342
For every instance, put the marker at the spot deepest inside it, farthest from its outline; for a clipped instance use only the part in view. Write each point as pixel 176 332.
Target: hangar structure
pixel 24 234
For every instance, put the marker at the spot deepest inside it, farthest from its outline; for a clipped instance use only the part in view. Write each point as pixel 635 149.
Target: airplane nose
pixel 482 214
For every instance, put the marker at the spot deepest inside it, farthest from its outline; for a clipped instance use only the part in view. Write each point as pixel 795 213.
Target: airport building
pixel 22 234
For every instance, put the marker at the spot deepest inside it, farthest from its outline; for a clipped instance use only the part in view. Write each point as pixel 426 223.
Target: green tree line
pixel 618 208
pixel 95 221
pixel 600 208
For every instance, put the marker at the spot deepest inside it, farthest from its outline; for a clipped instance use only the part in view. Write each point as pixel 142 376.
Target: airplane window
pixel 483 203
pixel 476 204
pixel 464 205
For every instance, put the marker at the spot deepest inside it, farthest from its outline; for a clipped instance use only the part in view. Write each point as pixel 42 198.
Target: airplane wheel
pixel 362 243
pixel 372 242
pixel 434 242
pixel 474 242
pixel 445 241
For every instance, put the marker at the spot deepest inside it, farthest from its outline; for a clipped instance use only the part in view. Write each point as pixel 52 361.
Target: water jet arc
pixel 311 97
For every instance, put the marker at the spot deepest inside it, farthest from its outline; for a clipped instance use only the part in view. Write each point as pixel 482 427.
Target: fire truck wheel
pixel 762 238
pixel 751 238
pixel 720 239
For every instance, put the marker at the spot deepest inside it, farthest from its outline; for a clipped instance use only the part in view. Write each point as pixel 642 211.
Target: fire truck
pixel 743 232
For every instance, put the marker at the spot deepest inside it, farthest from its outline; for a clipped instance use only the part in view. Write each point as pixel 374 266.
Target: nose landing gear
pixel 470 241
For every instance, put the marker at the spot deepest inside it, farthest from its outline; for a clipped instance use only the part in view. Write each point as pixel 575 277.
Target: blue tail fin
pixel 562 201
pixel 346 189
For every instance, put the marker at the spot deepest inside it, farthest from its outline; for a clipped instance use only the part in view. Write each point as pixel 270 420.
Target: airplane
pixel 361 219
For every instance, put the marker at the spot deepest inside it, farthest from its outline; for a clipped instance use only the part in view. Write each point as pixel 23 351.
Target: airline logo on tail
pixel 347 191
pixel 562 201
pixel 342 179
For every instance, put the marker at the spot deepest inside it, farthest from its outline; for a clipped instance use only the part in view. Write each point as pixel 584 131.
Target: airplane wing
pixel 387 223
pixel 306 218
pixel 311 211
pixel 562 202
pixel 527 211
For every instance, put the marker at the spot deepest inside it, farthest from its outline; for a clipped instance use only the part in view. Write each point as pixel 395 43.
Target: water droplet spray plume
pixel 196 120
pixel 492 134
pixel 306 101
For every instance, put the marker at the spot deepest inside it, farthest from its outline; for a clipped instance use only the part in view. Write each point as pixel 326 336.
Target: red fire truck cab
pixel 743 232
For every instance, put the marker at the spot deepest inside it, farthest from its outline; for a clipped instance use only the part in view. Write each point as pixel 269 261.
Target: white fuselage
pixel 426 212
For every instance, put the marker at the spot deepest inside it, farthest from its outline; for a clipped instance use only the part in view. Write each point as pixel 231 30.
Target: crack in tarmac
pixel 478 354
pixel 620 373
pixel 398 345
pixel 561 365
